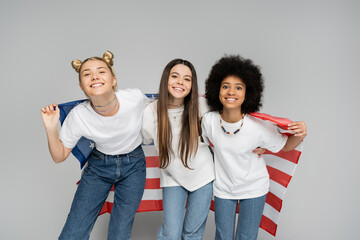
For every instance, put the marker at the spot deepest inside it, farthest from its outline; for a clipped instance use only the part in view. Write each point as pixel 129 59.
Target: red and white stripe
pixel 281 167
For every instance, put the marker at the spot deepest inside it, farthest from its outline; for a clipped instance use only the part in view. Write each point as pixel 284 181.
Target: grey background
pixel 309 55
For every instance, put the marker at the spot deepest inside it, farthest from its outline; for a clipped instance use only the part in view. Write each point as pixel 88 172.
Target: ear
pixel 81 86
pixel 114 81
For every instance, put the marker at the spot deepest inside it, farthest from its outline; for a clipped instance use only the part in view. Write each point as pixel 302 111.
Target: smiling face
pixel 96 78
pixel 232 93
pixel 179 83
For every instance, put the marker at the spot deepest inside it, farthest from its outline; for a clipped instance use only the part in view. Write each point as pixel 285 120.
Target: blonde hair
pixel 107 59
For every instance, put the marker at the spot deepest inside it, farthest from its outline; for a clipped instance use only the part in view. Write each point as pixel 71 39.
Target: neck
pixel 175 102
pixel 102 100
pixel 105 105
pixel 231 115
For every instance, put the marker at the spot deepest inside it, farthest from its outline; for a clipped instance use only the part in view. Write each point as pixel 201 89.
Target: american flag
pixel 281 167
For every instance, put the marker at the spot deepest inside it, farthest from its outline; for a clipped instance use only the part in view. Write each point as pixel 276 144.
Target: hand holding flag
pixel 50 116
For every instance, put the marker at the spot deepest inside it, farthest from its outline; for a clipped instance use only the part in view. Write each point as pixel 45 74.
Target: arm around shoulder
pixel 149 122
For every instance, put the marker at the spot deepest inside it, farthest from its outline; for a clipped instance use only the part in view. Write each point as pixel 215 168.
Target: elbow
pixel 286 149
pixel 58 160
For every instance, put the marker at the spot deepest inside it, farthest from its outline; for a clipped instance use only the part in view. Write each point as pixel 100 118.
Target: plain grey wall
pixel 309 54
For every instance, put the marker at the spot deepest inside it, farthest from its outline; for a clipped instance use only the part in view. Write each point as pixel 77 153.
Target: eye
pixel 238 88
pixel 174 76
pixel 102 72
pixel 188 79
pixel 86 74
pixel 225 87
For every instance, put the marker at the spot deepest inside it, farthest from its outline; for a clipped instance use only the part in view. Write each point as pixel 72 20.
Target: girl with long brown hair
pixel 186 164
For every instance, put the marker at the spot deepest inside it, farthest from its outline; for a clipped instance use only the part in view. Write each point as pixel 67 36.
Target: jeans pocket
pixel 137 153
pixel 96 155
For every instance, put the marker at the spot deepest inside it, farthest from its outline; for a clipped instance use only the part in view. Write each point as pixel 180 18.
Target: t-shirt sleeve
pixel 148 124
pixel 70 131
pixel 205 128
pixel 274 141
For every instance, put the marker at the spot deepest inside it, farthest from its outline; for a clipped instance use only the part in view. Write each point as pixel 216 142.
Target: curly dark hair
pixel 247 71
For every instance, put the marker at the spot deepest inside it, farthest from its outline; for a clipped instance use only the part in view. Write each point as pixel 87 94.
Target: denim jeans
pixel 250 212
pixel 127 174
pixel 177 223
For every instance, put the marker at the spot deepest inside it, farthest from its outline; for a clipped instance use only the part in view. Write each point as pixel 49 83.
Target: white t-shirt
pixel 239 173
pixel 175 174
pixel 118 134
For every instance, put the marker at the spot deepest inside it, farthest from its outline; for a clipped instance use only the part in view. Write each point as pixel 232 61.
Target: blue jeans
pixel 180 225
pixel 250 212
pixel 127 173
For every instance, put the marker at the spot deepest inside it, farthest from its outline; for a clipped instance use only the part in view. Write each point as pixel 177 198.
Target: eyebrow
pixel 235 84
pixel 179 74
pixel 89 69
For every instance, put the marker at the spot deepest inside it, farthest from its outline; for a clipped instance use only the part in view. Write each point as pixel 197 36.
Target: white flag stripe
pixel 149 194
pixel 280 164
pixel 271 213
pixel 152 173
pixel 110 197
pixel 277 189
pixel 149 150
pixel 152 194
pixel 299 147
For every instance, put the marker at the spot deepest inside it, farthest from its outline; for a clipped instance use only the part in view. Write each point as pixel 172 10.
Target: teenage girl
pixel 112 119
pixel 233 90
pixel 186 164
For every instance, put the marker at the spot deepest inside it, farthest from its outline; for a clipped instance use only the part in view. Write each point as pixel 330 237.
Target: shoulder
pixel 80 109
pixel 129 92
pixel 210 117
pixel 150 110
pixel 211 114
pixel 133 96
pixel 261 125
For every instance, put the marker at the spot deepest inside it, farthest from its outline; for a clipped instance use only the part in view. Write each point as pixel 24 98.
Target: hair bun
pixel 76 64
pixel 108 57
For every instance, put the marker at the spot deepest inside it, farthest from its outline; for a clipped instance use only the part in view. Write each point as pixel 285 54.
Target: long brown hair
pixel 190 124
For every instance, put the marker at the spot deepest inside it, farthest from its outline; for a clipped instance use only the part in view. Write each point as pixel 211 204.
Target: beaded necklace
pixel 237 130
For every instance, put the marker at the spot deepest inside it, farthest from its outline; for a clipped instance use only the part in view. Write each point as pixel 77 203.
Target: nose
pixel 95 77
pixel 231 91
pixel 180 81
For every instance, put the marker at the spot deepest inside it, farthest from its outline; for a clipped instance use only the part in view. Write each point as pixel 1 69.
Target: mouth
pixel 178 89
pixel 96 85
pixel 230 100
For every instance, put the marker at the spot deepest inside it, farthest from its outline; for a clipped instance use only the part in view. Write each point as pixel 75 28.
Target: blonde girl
pixel 112 119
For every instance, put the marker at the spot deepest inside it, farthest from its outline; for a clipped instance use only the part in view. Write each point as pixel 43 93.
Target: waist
pixel 137 149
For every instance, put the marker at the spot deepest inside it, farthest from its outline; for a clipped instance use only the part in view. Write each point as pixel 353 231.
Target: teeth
pixel 96 85
pixel 179 89
pixel 231 99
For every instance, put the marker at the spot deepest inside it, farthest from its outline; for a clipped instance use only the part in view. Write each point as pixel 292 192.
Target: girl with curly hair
pixel 186 164
pixel 112 119
pixel 233 90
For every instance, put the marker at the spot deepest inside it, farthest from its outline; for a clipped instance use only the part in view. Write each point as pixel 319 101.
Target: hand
pixel 259 151
pixel 50 116
pixel 298 128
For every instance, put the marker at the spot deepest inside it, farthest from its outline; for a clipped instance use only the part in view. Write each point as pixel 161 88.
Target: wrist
pixel 51 130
